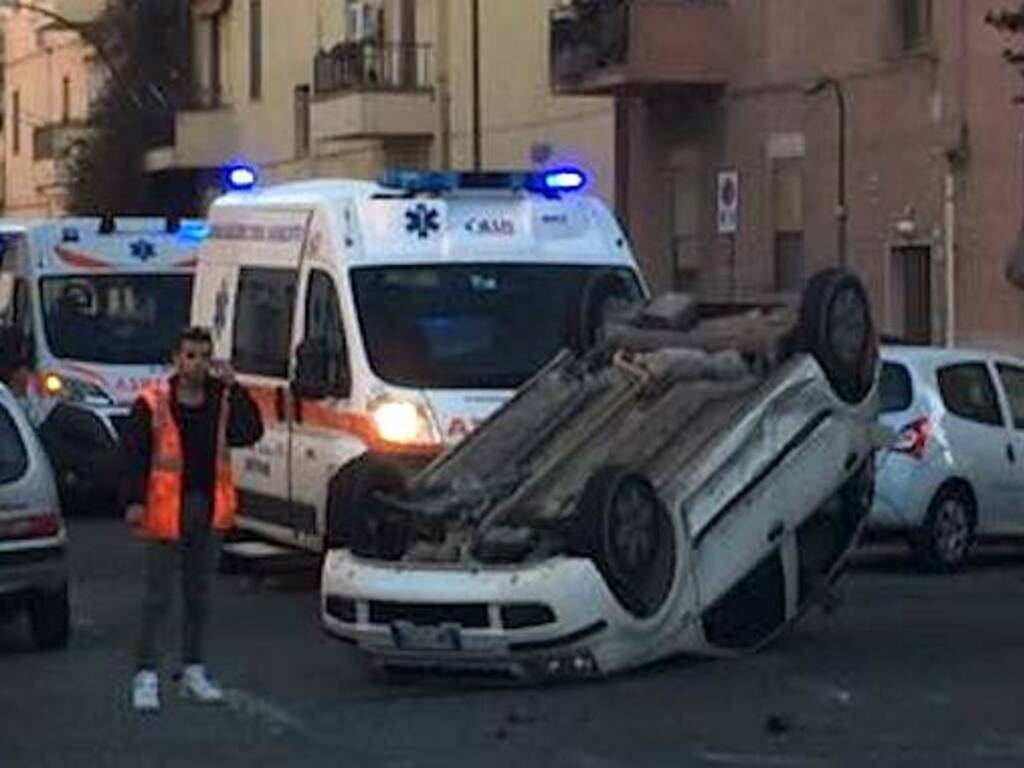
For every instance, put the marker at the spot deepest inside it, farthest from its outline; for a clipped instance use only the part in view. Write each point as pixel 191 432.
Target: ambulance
pixel 89 311
pixel 378 323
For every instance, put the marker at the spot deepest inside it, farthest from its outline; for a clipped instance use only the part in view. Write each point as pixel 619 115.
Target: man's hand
pixel 222 370
pixel 133 514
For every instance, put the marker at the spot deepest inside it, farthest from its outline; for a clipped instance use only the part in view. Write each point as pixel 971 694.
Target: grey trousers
pixel 194 557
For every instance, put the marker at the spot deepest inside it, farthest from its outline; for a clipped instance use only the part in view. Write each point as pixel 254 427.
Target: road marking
pixel 253 706
pixel 739 758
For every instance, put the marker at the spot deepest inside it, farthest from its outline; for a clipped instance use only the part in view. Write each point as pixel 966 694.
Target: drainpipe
pixel 475 60
pixel 444 95
pixel 949 211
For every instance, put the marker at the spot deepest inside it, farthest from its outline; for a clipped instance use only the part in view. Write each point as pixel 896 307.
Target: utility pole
pixel 475 57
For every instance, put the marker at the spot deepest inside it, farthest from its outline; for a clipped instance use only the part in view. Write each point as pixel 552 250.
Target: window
pixel 15 123
pixel 1013 382
pixel 464 326
pixel 138 316
pixel 968 392
pixel 13 458
pixel 302 105
pixel 895 388
pixel 65 100
pixel 324 325
pixel 788 214
pixel 255 49
pixel 264 309
pixel 913 23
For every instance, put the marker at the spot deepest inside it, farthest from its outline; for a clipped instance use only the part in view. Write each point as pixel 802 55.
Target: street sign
pixel 728 201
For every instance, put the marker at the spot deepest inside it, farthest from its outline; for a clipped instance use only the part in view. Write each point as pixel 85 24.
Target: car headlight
pixel 74 390
pixel 402 421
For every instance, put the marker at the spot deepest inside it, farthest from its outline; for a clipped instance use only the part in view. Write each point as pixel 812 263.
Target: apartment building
pixel 890 119
pixel 306 88
pixel 51 75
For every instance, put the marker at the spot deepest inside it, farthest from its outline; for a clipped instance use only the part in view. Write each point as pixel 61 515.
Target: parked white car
pixel 683 490
pixel 956 471
pixel 33 558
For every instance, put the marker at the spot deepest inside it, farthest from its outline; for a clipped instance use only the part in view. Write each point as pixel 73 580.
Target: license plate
pixel 410 637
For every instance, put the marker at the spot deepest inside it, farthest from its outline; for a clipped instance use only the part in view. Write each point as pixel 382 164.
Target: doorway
pixel 911 307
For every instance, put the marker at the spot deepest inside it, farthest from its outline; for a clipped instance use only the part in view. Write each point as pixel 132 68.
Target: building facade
pixel 891 120
pixel 348 87
pixel 51 75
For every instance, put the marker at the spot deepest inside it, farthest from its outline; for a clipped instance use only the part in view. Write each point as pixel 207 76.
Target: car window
pixel 968 392
pixel 13 458
pixel 324 324
pixel 263 321
pixel 894 387
pixel 1013 383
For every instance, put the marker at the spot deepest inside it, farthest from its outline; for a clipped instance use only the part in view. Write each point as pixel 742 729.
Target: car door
pixel 319 439
pixel 978 438
pixel 1010 375
pixel 264 306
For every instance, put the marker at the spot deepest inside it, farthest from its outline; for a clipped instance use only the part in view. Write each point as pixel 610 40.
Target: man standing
pixel 179 494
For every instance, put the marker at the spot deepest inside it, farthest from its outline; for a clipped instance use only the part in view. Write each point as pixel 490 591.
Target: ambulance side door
pixel 321 432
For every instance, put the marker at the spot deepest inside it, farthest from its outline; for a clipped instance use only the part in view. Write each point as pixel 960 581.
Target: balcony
pixel 368 90
pixel 604 47
pixel 205 131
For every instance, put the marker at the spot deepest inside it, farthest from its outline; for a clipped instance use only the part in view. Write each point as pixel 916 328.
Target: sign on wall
pixel 728 201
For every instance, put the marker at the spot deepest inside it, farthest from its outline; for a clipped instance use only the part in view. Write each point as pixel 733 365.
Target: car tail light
pixel 38 525
pixel 913 438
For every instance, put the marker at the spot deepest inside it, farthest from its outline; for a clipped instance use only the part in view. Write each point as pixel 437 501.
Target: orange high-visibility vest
pixel 162 517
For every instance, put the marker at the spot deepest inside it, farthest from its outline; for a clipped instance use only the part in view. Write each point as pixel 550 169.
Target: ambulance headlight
pixel 402 421
pixel 74 390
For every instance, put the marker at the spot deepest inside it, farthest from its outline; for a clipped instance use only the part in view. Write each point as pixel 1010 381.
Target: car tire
pixel 835 326
pixel 600 293
pixel 356 519
pixel 625 529
pixel 944 541
pixel 49 615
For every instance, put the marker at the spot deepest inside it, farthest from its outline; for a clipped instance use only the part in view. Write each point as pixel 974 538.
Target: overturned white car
pixel 691 487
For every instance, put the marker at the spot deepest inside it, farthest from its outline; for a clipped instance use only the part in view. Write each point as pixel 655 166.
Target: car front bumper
pixel 555 618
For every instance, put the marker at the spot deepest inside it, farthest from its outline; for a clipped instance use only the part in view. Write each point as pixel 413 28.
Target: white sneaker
pixel 146 691
pixel 196 684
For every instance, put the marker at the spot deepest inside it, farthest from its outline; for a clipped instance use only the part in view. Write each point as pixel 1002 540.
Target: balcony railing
pixel 599 45
pixel 372 66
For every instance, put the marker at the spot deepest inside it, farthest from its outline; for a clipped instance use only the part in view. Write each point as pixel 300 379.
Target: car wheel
pixel 835 327
pixel 622 525
pixel 605 294
pixel 49 615
pixel 357 519
pixel 948 531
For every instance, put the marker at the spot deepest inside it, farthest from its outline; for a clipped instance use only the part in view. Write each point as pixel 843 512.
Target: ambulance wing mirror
pixel 318 372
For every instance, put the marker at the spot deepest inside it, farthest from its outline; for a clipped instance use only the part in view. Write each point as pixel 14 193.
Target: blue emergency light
pixel 239 178
pixel 549 182
pixel 563 179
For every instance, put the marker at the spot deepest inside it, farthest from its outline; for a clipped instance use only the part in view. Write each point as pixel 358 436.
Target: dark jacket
pixel 198 442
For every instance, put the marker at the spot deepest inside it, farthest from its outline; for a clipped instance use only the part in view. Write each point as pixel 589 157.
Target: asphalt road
pixel 910 670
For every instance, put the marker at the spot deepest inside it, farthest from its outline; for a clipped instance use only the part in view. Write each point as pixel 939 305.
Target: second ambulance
pixel 379 323
pixel 89 310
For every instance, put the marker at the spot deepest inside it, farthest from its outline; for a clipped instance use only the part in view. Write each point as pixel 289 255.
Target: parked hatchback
pixel 33 560
pixel 956 471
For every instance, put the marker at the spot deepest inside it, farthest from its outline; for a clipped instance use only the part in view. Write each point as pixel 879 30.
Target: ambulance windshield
pixel 128 319
pixel 469 326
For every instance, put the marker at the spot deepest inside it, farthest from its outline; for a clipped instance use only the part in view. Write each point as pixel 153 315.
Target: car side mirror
pixel 317 373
